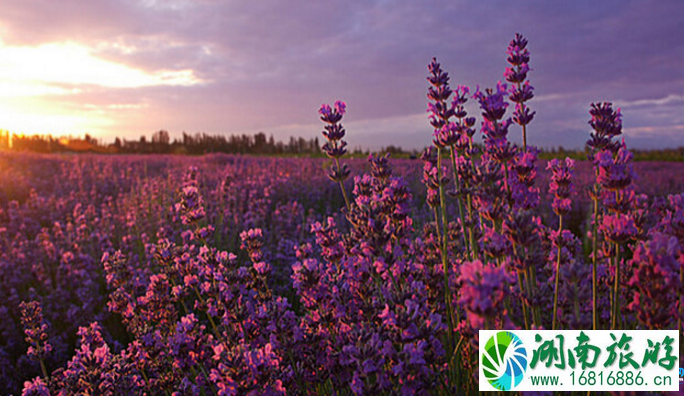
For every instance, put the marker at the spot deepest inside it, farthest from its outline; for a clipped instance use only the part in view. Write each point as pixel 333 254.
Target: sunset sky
pixel 131 67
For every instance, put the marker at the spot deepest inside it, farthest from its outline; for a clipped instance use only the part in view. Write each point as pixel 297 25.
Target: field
pixel 241 275
pixel 167 301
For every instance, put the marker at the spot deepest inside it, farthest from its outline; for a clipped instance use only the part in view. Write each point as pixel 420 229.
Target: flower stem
pixel 558 260
pixel 439 233
pixel 521 283
pixel 594 279
pixel 44 370
pixel 469 202
pixel 681 311
pixel 524 127
pixel 344 191
pixel 445 261
pixel 616 288
pixel 459 199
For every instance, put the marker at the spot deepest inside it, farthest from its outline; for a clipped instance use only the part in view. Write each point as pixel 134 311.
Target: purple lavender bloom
pixel 191 206
pixel 439 93
pixel 561 185
pixel 495 244
pixel 516 75
pixel 447 135
pixel 253 242
pixel 340 107
pixel 437 77
pixel 484 288
pixel 607 124
pixel 517 51
pixel 36 387
pixel 93 368
pixel 523 191
pixel 615 173
pixel 334 132
pixel 335 151
pixel 35 330
pixel 656 280
pixel 522 115
pixel 335 147
pixel 493 103
pixel 618 228
pixel 525 93
pixel 521 91
pixel 332 116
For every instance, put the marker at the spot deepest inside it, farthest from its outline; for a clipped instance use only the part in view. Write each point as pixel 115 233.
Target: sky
pixel 131 67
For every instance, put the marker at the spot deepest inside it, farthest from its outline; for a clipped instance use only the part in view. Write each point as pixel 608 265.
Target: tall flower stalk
pixel 35 330
pixel 518 58
pixel 439 92
pixel 615 175
pixel 335 147
pixel 562 189
pixel 459 137
pixel 606 124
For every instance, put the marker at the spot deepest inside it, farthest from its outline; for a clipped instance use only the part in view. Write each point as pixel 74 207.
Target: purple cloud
pixel 268 65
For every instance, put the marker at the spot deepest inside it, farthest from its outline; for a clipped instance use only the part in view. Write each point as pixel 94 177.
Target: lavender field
pixel 240 275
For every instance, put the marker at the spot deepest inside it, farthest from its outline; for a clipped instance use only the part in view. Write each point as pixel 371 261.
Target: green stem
pixel 344 191
pixel 445 261
pixel 681 312
pixel 616 289
pixel 194 379
pixel 524 278
pixel 44 370
pixel 211 319
pixel 522 299
pixel 507 186
pixel 206 378
pixel 459 199
pixel 594 279
pixel 524 127
pixel 555 289
pixel 439 234
pixel 532 279
pixel 469 201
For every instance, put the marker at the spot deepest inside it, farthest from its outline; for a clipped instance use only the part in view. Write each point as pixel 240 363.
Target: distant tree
pixel 4 140
pixel 160 141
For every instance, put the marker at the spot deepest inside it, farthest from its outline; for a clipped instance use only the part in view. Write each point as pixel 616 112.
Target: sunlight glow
pixel 40 87
pixel 71 64
pixel 38 119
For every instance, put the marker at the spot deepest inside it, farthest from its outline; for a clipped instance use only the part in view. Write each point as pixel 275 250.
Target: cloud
pixel 72 64
pixel 667 100
pixel 231 66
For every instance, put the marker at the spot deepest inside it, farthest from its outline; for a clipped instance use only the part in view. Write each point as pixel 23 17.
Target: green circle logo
pixel 504 360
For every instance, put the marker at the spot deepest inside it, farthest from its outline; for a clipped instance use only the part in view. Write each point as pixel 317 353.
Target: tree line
pixel 258 144
pixel 161 143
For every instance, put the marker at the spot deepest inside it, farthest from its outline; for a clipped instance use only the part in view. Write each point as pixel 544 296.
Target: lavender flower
pixel 335 147
pixel 483 291
pixel 618 228
pixel 607 124
pixel 35 330
pixel 657 283
pixel 494 126
pixel 521 90
pixel 36 387
pixel 191 205
pixel 561 185
pixel 615 173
